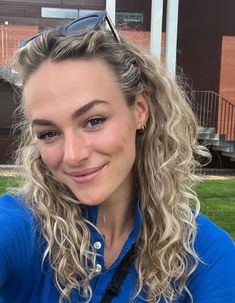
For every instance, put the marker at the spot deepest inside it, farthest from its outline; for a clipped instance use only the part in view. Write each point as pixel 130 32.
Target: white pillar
pixel 111 9
pixel 156 28
pixel 171 34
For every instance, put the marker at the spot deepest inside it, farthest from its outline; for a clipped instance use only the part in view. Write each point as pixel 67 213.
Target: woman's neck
pixel 115 222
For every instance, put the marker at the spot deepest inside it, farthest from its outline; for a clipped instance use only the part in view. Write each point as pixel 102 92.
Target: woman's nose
pixel 76 149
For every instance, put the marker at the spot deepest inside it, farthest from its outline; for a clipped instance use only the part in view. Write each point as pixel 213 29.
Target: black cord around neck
pixel 114 287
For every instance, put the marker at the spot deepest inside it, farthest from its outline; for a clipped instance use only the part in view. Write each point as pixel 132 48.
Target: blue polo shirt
pixel 22 279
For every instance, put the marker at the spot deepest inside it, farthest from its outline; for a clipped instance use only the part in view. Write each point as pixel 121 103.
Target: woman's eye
pixel 94 122
pixel 47 136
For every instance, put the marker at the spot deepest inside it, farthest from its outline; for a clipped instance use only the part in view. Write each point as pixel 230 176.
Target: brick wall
pixel 227 72
pixel 10 36
pixel 143 39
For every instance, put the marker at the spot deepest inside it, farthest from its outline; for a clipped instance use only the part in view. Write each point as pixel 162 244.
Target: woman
pixel 108 147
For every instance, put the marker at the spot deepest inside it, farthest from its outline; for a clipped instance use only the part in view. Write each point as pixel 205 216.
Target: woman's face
pixel 86 132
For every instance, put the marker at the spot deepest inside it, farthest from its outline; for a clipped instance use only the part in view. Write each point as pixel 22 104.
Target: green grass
pixel 217 200
pixel 8 182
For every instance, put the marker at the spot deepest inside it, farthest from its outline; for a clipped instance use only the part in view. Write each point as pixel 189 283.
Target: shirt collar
pixel 91 213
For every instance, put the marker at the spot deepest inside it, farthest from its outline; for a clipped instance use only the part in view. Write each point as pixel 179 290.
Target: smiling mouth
pixel 86 175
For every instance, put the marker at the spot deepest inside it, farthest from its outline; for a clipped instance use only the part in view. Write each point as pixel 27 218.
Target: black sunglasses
pixel 90 22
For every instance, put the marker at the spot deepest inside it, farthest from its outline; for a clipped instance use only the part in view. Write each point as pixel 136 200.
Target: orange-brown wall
pixel 227 71
pixel 10 36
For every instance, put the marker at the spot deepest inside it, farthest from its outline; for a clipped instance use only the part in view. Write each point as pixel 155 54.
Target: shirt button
pixel 98 268
pixel 97 245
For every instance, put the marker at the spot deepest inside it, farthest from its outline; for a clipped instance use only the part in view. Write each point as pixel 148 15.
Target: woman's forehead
pixel 70 83
pixel 60 77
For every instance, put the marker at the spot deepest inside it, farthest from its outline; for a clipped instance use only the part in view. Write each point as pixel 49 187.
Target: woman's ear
pixel 141 110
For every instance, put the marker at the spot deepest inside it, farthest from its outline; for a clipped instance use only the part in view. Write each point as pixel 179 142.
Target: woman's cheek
pixel 52 156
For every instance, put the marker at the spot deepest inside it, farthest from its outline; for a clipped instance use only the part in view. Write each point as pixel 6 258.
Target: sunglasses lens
pixel 92 22
pixel 83 24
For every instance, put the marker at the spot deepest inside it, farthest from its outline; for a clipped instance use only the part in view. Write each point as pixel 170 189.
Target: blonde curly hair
pixel 164 171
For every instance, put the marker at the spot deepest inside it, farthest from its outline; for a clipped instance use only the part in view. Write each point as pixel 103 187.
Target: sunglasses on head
pixel 90 22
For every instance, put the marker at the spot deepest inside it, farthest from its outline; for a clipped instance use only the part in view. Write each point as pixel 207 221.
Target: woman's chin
pixel 89 201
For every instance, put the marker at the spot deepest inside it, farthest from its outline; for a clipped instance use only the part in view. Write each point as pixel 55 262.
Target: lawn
pixel 8 182
pixel 217 200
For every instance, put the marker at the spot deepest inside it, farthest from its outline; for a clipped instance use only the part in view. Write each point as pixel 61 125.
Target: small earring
pixel 142 129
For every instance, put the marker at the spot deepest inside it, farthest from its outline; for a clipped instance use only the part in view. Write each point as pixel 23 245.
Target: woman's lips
pixel 86 175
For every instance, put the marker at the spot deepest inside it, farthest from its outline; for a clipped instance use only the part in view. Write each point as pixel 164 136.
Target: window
pixel 126 17
pixel 60 13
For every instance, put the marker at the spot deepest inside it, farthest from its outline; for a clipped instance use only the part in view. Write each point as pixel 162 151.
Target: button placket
pixel 98 268
pixel 97 245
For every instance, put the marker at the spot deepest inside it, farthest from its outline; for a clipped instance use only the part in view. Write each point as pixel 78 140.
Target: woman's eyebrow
pixel 42 122
pixel 82 110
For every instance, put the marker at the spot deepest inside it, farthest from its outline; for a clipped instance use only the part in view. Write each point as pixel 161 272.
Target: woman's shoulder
pixel 15 215
pixel 8 201
pixel 216 269
pixel 14 205
pixel 210 235
pixel 19 241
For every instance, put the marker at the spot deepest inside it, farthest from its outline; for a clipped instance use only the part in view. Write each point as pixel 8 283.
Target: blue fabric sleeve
pixel 15 236
pixel 214 279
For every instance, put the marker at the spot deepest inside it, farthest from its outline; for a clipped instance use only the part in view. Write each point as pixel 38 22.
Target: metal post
pixel 7 50
pixel 111 9
pixel 156 28
pixel 2 59
pixel 11 45
pixel 171 34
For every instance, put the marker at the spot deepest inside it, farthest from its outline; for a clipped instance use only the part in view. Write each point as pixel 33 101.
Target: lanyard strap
pixel 114 287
